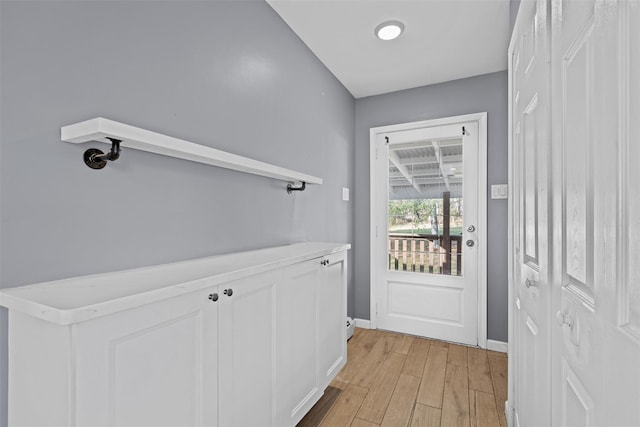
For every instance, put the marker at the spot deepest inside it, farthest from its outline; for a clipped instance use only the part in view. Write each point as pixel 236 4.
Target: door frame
pixel 481 119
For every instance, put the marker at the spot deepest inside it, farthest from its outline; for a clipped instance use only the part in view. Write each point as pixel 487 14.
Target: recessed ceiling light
pixel 389 30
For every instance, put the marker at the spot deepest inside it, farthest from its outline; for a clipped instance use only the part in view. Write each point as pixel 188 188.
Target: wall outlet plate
pixel 500 191
pixel 345 194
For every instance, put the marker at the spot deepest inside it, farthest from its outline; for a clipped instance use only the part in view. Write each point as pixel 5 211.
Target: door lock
pixel 564 318
pixel 471 229
pixel 470 243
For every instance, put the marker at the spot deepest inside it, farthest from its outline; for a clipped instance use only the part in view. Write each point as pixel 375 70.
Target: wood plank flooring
pixel 396 380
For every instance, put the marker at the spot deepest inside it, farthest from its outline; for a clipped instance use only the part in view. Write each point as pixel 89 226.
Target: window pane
pixel 425 212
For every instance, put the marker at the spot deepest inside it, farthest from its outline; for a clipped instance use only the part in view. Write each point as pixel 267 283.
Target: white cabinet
pixel 148 366
pixel 230 346
pixel 247 351
pixel 332 317
pixel 298 362
pixel 312 333
pixel 139 367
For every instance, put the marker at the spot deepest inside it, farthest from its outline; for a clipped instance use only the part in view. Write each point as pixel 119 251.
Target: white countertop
pixel 78 299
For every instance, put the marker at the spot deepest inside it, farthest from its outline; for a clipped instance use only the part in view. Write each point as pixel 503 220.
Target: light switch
pixel 500 191
pixel 345 194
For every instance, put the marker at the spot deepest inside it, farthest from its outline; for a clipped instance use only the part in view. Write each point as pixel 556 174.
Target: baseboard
pixel 362 323
pixel 493 345
pixel 507 414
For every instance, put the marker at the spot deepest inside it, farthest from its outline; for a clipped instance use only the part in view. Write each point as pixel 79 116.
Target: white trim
pixel 99 129
pixel 510 205
pixel 500 346
pixel 481 119
pixel 507 413
pixel 373 301
pixel 482 231
pixel 362 323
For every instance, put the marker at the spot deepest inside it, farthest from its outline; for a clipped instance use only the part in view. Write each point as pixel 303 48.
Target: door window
pixel 426 207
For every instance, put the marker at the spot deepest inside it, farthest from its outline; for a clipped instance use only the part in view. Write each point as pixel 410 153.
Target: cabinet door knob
pixel 228 292
pixel 213 297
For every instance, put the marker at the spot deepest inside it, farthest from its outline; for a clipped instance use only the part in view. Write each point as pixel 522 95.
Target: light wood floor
pixel 399 380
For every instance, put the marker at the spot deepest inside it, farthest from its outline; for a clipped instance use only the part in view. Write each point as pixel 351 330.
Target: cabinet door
pixel 333 317
pixel 297 346
pixel 247 352
pixel 150 366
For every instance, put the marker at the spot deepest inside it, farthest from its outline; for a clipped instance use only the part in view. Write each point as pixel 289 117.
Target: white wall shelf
pixel 100 129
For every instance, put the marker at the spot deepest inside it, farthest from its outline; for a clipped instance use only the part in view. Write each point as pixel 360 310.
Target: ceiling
pixel 443 40
pixel 425 169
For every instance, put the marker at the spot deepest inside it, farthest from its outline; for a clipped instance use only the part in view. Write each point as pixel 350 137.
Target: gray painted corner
pixel 231 75
pixel 514 6
pixel 472 95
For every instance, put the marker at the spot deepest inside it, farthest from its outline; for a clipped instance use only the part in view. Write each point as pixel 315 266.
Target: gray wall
pixel 231 75
pixel 473 95
pixel 514 6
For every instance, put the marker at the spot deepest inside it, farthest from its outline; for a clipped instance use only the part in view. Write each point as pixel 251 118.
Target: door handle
pixel 531 283
pixel 564 319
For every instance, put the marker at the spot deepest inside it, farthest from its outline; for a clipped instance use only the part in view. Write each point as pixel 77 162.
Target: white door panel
pixel 586 168
pixel 630 153
pixel 578 403
pixel 624 337
pixel 429 303
pixel 575 223
pixel 530 114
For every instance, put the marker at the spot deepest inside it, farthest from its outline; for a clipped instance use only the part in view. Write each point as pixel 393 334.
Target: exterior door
pixel 596 301
pixel 531 231
pixel 426 255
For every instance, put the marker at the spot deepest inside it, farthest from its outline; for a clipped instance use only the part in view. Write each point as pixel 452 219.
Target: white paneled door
pixel 583 367
pixel 428 245
pixel 531 281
